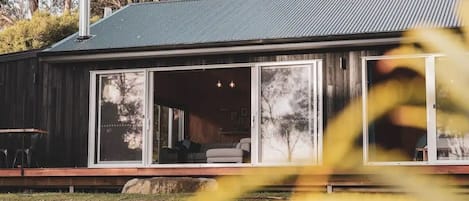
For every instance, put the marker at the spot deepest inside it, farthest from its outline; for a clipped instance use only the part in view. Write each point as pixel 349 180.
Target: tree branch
pixel 116 3
pixel 6 18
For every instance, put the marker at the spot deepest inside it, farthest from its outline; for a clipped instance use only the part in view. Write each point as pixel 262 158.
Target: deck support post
pixel 329 188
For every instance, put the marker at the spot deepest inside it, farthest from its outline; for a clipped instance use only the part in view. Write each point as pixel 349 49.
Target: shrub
pixel 42 30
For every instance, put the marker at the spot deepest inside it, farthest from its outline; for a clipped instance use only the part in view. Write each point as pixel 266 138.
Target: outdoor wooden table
pixel 23 132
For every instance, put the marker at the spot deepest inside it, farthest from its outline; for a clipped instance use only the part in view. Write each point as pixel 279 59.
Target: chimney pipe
pixel 84 23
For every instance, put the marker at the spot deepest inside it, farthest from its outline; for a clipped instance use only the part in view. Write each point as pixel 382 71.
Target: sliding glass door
pixel 430 128
pixel 288 108
pixel 452 137
pixel 392 131
pixel 120 117
pixel 268 113
pixel 200 116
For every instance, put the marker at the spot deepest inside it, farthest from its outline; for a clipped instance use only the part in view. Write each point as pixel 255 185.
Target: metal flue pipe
pixel 84 23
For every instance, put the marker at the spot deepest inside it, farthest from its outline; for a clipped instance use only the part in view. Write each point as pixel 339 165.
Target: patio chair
pixel 420 153
pixel 28 152
pixel 4 154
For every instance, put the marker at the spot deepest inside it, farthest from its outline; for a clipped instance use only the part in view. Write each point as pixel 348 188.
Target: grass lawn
pixel 87 196
pixel 182 197
pixel 122 197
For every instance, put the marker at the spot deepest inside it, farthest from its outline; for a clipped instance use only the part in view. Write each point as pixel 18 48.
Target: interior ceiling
pixel 192 89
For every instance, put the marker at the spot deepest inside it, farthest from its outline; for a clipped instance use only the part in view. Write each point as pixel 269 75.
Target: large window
pixel 423 136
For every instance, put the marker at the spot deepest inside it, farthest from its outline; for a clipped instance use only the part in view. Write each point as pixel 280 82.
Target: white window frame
pixel 255 122
pixel 316 66
pixel 430 82
pixel 94 135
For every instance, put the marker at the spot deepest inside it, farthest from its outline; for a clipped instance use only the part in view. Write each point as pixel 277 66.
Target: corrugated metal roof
pixel 210 21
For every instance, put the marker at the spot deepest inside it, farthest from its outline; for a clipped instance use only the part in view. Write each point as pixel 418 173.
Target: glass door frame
pixel 317 73
pixel 94 114
pixel 434 109
pixel 430 113
pixel 151 92
pixel 430 86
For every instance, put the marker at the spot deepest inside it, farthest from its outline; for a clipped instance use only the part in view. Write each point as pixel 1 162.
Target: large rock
pixel 165 185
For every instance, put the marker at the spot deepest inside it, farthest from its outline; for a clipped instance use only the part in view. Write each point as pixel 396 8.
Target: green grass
pixel 88 197
pixel 182 197
pixel 124 197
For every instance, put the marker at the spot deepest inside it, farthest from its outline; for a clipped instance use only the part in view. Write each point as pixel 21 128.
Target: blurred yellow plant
pixel 392 98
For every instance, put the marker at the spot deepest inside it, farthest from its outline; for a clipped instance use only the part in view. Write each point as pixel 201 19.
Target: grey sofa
pixel 236 154
pixel 200 155
pixel 187 151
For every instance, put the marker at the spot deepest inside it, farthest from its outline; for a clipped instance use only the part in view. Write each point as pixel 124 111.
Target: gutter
pixel 221 50
pixel 19 55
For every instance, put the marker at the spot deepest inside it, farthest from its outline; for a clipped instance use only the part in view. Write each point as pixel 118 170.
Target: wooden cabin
pixel 206 87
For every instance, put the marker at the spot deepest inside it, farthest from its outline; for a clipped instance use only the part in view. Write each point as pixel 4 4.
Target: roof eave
pixel 224 48
pixel 19 55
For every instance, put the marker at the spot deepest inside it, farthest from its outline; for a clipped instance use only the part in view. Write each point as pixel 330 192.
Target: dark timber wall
pixel 18 91
pixel 20 96
pixel 59 94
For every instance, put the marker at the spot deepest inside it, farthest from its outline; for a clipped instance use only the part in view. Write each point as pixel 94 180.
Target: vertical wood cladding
pixel 19 99
pixel 17 93
pixel 55 97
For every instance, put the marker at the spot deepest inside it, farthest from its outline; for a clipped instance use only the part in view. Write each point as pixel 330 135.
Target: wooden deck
pixel 196 171
pixel 116 177
pixel 103 172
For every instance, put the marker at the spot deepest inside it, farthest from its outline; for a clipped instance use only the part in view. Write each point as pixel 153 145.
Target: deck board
pixel 201 171
pixel 117 177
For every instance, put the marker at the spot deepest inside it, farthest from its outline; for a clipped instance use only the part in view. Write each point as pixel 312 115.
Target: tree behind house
pixel 41 31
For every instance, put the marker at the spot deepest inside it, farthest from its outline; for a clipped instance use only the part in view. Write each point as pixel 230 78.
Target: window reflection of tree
pixel 285 109
pixel 122 116
pixel 452 143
